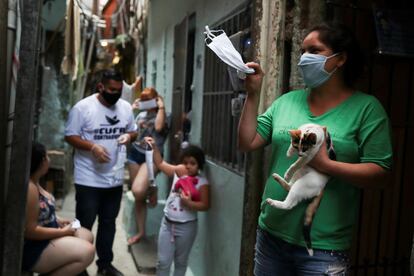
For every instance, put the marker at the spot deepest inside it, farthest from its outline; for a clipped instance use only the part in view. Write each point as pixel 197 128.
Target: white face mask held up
pixel 221 45
pixel 150 104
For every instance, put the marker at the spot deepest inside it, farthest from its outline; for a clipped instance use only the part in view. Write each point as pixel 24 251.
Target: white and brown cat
pixel 300 180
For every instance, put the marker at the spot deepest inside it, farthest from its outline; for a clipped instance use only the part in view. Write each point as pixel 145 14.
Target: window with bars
pixel 219 129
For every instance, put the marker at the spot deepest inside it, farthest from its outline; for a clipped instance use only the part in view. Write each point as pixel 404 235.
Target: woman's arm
pixel 202 205
pixel 34 231
pixel 249 139
pixel 160 118
pixel 161 164
pixel 362 175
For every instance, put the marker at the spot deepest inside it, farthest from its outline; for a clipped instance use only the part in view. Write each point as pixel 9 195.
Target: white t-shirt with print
pixel 102 125
pixel 174 210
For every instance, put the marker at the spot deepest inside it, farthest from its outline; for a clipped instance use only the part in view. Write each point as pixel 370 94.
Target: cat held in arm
pixel 301 181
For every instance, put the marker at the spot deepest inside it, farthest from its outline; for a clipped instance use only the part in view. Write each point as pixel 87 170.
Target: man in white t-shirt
pixel 96 126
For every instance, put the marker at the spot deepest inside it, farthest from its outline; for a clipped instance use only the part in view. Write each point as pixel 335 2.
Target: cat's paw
pixel 290 152
pixel 273 203
pixel 277 177
pixel 270 201
pixel 287 176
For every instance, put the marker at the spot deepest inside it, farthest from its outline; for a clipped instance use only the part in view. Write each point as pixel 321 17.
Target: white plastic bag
pixel 149 153
pixel 118 169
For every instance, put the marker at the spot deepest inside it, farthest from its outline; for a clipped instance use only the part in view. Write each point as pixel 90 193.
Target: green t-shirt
pixel 360 131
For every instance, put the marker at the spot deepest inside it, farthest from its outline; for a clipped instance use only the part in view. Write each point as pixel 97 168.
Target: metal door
pixel 383 237
pixel 180 62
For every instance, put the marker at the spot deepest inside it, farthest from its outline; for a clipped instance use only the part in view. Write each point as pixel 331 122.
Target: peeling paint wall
pixel 305 14
pixel 278 21
pixel 270 23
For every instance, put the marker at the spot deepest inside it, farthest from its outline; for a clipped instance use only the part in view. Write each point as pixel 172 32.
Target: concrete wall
pixel 53 13
pixel 217 247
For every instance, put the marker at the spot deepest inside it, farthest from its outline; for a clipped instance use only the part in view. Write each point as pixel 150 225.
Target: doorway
pixel 184 38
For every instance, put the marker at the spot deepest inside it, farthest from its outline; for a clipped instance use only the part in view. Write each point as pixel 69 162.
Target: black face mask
pixel 111 98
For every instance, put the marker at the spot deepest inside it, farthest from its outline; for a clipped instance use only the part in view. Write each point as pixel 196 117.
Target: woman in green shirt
pixel 330 64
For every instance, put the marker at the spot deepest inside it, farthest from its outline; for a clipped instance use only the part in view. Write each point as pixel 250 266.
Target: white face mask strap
pixel 210 34
pixel 334 55
pixel 336 68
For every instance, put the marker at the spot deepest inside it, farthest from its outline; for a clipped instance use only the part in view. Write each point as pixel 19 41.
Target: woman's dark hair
pixel 196 152
pixel 38 156
pixel 341 39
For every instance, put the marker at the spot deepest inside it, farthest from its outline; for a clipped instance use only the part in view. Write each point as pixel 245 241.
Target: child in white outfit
pixel 179 225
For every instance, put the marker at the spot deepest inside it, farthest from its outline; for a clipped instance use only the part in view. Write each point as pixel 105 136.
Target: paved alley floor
pixel 122 258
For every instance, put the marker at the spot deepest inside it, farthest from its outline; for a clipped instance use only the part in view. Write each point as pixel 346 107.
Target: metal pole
pixel 22 139
pixel 3 117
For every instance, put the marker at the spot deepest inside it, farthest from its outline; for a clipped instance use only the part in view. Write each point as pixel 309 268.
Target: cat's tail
pixel 307 237
pixel 307 223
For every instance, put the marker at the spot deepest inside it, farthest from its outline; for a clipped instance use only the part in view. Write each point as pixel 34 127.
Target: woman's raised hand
pixel 135 104
pixel 160 102
pixel 253 82
pixel 150 141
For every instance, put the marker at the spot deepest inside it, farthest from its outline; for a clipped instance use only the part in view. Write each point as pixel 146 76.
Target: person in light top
pixel 189 194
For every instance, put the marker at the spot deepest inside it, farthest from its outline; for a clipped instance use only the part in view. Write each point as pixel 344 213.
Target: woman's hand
pixel 67 230
pixel 253 82
pixel 321 159
pixel 160 102
pixel 135 104
pixel 137 86
pixel 248 138
pixel 150 141
pixel 124 139
pixel 63 222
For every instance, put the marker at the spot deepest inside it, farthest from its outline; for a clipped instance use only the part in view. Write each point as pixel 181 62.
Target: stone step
pixel 144 254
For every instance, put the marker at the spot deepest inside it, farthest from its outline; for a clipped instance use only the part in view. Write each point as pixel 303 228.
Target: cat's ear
pixel 295 133
pixel 311 138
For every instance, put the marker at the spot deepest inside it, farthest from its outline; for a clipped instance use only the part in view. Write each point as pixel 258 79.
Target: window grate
pixel 219 129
